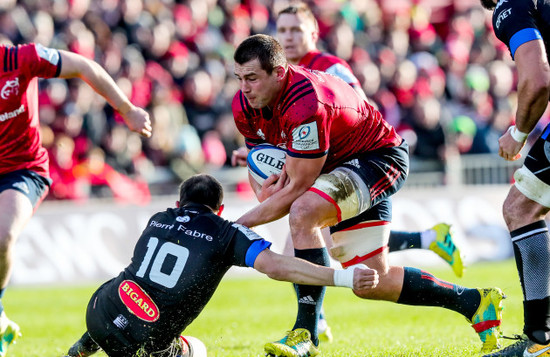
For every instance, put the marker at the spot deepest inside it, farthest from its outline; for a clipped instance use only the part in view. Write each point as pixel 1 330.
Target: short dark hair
pixel 488 4
pixel 300 8
pixel 265 48
pixel 202 189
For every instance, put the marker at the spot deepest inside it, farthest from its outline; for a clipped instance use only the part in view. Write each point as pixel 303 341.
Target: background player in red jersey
pixel 24 176
pixel 119 325
pixel 343 164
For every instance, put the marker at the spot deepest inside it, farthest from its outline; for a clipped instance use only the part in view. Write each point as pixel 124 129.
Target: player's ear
pixel 315 36
pixel 177 204
pixel 280 71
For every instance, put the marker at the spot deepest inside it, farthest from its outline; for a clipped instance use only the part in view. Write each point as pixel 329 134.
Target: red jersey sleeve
pixel 37 60
pixel 308 126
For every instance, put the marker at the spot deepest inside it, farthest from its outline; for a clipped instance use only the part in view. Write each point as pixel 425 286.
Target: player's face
pixel 297 35
pixel 259 87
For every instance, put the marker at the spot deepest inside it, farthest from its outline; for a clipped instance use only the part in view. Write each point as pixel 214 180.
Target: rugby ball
pixel 265 160
pixel 193 347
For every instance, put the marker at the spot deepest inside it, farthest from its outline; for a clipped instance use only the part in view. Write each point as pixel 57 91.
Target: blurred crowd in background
pixel 434 69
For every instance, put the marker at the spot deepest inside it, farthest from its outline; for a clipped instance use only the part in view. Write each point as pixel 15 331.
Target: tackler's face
pixel 258 86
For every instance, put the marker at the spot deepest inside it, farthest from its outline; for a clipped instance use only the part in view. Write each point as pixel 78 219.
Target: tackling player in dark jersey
pixel 343 163
pixel 24 175
pixel 178 262
pixel 524 26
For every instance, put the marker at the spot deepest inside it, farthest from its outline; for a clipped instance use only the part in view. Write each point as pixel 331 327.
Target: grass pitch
pixel 245 314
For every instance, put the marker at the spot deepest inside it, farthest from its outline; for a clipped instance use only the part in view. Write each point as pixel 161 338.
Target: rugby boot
pixel 522 348
pixel 444 246
pixel 9 332
pixel 297 343
pixel 189 346
pixel 84 347
pixel 488 317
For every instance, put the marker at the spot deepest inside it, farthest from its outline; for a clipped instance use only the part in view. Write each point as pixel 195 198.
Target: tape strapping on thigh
pixel 532 187
pixel 347 189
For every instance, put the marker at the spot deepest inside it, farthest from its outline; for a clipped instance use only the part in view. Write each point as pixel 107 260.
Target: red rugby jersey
pixel 20 143
pixel 315 114
pixel 326 62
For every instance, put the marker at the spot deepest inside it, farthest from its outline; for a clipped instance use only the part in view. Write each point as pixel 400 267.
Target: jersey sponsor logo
pixel 161 225
pixel 354 162
pixel 12 114
pixel 48 54
pixel 502 16
pixel 11 87
pixel 500 3
pixel 183 219
pixel 305 137
pixel 250 234
pixel 194 233
pixel 261 134
pixel 121 322
pixel 138 301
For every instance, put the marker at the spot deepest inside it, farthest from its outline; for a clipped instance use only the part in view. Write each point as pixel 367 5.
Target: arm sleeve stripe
pixel 6 51
pixel 255 249
pixel 58 70
pixel 15 55
pixel 10 60
pixel 523 36
pixel 307 156
pixel 250 143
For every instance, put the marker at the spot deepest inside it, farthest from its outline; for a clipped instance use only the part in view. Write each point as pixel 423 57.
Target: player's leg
pixel 524 211
pixel 20 193
pixel 307 214
pixel 365 242
pixel 438 238
pixel 324 331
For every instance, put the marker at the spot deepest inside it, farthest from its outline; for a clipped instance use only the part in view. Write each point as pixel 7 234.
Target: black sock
pixel 404 240
pixel 532 253
pixel 310 298
pixel 422 288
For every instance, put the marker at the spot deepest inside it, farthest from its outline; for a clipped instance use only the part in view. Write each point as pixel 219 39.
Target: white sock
pixel 426 238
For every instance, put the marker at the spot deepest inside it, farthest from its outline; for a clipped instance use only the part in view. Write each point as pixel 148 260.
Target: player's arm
pixel 238 157
pixel 76 66
pixel 280 267
pixel 301 173
pixel 533 94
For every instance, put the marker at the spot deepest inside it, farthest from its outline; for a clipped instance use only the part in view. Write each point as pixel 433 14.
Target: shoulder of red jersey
pixel 36 59
pixel 298 101
pixel 329 63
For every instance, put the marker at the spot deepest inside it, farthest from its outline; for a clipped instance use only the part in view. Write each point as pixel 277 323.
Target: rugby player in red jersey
pixel 24 177
pixel 343 164
pixel 298 33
